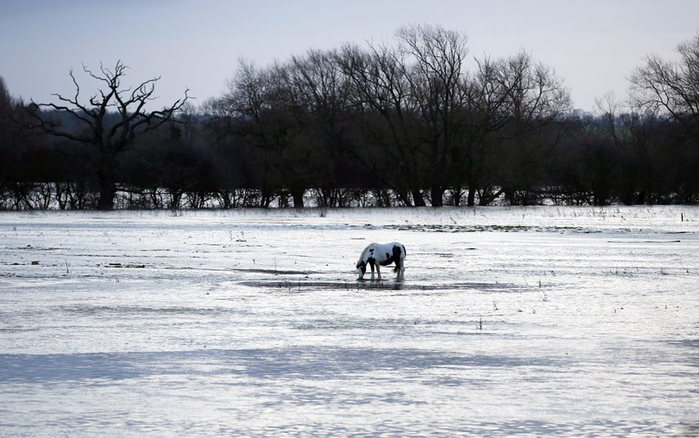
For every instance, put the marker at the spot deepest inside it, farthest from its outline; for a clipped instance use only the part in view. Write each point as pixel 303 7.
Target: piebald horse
pixel 382 254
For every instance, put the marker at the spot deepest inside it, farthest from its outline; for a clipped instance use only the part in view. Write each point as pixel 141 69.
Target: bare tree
pixel 5 102
pixel 109 120
pixel 670 87
pixel 246 113
pixel 6 155
pixel 6 110
pixel 387 114
pixel 320 113
pixel 643 147
pixel 436 80
pixel 534 101
pixel 669 91
pixel 484 115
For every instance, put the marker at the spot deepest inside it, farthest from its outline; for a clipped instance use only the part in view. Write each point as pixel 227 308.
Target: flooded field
pixel 532 321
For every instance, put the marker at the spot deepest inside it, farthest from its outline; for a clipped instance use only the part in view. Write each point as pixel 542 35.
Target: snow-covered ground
pixel 534 321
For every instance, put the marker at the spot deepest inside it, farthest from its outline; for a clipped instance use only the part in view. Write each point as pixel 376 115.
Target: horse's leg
pixel 378 270
pixel 399 258
pixel 401 271
pixel 372 269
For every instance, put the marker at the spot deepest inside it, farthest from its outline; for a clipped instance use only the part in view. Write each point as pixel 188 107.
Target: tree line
pixel 414 123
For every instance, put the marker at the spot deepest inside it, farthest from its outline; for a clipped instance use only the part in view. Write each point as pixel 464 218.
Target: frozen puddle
pixel 510 321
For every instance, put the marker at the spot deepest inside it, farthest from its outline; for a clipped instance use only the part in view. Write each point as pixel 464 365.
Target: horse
pixel 382 254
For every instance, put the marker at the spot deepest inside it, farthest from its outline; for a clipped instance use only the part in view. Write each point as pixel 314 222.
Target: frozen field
pixel 533 321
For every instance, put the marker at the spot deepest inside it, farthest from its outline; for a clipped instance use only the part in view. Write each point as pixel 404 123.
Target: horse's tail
pixel 397 250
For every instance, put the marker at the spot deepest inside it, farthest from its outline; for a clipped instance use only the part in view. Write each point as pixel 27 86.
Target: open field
pixel 533 321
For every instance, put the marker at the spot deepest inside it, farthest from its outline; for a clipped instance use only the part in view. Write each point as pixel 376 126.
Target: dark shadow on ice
pixel 38 368
pixel 304 373
pixel 305 284
pixel 304 363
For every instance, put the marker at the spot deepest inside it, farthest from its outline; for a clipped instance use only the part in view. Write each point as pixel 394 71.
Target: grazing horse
pixel 382 254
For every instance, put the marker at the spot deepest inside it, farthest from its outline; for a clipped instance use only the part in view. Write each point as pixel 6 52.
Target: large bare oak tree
pixel 108 121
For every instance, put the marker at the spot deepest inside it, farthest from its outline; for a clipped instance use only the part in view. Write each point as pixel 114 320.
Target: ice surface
pixel 532 321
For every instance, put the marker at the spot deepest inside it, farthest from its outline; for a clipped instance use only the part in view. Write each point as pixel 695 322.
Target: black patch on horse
pixel 371 261
pixel 388 260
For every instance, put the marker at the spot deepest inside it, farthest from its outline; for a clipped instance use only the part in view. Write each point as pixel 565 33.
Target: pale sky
pixel 593 45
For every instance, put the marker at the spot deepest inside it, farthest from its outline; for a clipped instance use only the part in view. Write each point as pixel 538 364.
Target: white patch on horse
pixel 382 254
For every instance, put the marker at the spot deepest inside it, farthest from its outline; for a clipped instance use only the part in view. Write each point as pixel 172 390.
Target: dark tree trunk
pixel 437 196
pixel 418 200
pixel 105 175
pixel 107 192
pixel 297 196
pixel 471 195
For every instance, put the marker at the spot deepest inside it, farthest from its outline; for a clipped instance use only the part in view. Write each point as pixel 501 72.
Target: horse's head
pixel 361 269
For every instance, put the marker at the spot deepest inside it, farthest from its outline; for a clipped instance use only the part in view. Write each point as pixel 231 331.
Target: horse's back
pixel 386 251
pixel 388 246
pixel 393 250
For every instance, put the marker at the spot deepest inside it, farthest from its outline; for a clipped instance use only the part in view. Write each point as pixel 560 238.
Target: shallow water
pixel 532 321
